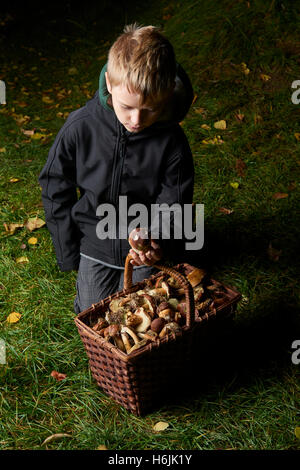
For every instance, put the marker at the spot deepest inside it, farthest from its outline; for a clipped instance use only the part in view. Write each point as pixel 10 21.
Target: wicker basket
pixel 145 378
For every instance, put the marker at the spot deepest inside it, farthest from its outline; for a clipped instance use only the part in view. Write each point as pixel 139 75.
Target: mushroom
pixel 146 320
pixel 167 314
pixel 196 276
pixel 198 293
pixel 131 333
pixel 171 327
pixel 139 240
pixel 157 325
pixel 149 304
pixel 132 320
pixel 101 323
pixel 150 334
pixel 138 345
pixel 116 317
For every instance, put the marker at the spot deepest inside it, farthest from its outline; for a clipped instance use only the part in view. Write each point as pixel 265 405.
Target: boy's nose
pixel 136 118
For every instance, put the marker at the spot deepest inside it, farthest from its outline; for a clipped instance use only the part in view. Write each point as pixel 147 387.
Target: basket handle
pixel 185 284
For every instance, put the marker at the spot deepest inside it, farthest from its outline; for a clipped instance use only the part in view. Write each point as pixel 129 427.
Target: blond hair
pixel 143 60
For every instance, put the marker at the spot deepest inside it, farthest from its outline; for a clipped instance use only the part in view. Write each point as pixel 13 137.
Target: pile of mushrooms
pixel 157 310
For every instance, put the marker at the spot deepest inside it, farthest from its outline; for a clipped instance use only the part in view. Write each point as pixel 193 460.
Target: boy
pixel 126 141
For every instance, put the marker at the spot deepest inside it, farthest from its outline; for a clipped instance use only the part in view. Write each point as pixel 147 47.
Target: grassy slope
pixel 250 401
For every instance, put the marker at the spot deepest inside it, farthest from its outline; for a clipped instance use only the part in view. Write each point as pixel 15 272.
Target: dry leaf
pixel 240 166
pixel 2 149
pixel 215 141
pixel 273 253
pixel 102 447
pixel 47 100
pixel 30 132
pixel 32 241
pixel 58 376
pixel 34 223
pixel 14 180
pixel 38 135
pixel 234 185
pixel 297 135
pixel 264 77
pixel 239 116
pixel 279 196
pixel 220 124
pixel 13 317
pixel 22 259
pixel 244 68
pixel 54 437
pixel 160 426
pixel 205 126
pixel 11 228
pixel 223 210
pixel 297 431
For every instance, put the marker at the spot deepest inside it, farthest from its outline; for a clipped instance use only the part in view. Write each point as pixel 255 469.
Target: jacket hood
pixel 180 103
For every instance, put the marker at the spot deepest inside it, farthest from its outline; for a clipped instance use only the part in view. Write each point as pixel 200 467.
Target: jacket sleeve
pixel 58 183
pixel 176 189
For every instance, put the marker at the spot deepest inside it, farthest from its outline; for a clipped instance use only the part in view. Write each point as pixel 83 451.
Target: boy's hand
pixel 149 258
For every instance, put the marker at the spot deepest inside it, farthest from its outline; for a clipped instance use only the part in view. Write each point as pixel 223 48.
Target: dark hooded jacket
pixel 94 160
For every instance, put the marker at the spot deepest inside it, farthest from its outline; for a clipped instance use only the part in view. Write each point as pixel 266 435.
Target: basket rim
pixel 82 327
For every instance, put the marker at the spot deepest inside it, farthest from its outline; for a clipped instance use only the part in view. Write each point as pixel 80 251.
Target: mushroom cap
pixel 146 320
pixel 157 325
pixel 139 239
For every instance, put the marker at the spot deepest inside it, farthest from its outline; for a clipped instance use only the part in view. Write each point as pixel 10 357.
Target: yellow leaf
pixel 160 426
pixel 245 68
pixel 13 317
pixel 2 149
pixel 34 223
pixel 297 135
pixel 234 185
pixel 32 241
pixel 22 259
pixel 38 136
pixel 205 126
pixel 220 125
pixel 46 99
pixel 102 447
pixel 264 77
pixel 297 431
pixel 14 180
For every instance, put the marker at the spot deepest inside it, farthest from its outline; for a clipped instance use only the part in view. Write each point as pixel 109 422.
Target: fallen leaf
pixel 58 376
pixel 239 116
pixel 32 241
pixel 244 68
pixel 279 196
pixel 273 253
pixel 205 126
pixel 13 317
pixel 29 132
pixel 194 99
pixel 14 180
pixel 102 447
pixel 46 99
pixel 297 432
pixel 297 135
pixel 160 426
pixel 54 437
pixel 37 136
pixel 215 141
pixel 240 167
pixel 11 228
pixel 22 259
pixel 226 211
pixel 264 77
pixel 2 149
pixel 234 185
pixel 72 71
pixel 34 223
pixel 220 124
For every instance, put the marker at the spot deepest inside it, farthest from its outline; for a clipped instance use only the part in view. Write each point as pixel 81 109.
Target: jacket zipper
pixel 118 168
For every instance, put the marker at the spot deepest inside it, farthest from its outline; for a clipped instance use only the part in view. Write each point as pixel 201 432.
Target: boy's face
pixel 129 112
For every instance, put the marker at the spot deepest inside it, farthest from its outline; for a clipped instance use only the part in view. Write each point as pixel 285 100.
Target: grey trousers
pixel 96 282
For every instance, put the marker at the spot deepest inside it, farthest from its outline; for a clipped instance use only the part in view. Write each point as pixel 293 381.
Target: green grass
pixel 248 395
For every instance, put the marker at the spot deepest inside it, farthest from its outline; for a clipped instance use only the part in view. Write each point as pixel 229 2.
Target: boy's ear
pixel 108 85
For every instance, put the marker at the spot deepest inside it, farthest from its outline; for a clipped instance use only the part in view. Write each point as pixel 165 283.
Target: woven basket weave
pixel 141 380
